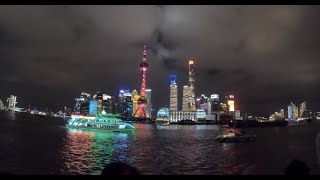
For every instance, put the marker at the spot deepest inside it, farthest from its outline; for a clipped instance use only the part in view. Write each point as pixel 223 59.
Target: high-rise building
pixel 186 104
pixel 282 113
pixel 204 104
pixel 149 104
pixel 123 99
pixel 198 101
pixel 129 106
pixel 142 102
pixel 192 103
pixel 1 105
pixel 293 111
pixel 82 103
pixel 106 104
pixel 224 108
pixel 303 108
pixel 215 103
pixel 93 109
pixel 290 115
pixel 12 101
pixel 188 101
pixel 99 99
pixel 237 114
pixel 215 97
pixel 99 96
pixel 121 102
pixel 135 97
pixel 231 103
pixel 173 93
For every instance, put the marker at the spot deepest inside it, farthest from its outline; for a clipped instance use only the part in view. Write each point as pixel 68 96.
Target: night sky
pixel 266 56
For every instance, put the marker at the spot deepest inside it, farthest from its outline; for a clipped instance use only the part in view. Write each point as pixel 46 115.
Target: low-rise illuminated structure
pixel 12 101
pixel 177 116
pixel 163 114
pixel 1 106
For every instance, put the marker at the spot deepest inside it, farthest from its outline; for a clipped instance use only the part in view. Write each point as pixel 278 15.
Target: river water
pixel 42 145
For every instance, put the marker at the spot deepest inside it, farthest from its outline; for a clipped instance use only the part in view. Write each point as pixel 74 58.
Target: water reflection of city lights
pixel 90 150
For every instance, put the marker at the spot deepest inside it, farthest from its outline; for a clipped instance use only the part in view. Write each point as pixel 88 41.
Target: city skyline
pixel 265 56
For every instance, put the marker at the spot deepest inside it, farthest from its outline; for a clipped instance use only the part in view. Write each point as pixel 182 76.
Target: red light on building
pixel 231 96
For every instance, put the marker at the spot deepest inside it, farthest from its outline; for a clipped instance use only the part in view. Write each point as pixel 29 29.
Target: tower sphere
pixel 144 65
pixel 142 100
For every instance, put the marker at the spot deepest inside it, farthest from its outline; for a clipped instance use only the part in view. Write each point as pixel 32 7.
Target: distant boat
pixel 165 124
pixel 236 137
pixel 99 121
pixel 255 123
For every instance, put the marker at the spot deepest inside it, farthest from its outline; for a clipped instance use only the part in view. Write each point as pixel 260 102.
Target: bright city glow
pixel 231 105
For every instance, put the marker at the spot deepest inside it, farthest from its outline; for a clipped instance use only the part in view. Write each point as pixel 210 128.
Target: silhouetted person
pixel 318 147
pixel 297 168
pixel 119 169
pixel 5 174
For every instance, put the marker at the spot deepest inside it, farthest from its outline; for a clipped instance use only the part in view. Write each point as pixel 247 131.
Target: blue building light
pixel 93 108
pixel 172 78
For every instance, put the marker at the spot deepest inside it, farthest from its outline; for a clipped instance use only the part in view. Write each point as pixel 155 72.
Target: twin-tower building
pixel 188 100
pixel 189 110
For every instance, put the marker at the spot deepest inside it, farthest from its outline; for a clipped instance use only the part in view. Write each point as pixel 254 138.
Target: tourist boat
pixel 99 121
pixel 165 124
pixel 236 137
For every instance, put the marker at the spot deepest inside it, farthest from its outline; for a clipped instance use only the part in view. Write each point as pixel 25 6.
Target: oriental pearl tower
pixel 142 102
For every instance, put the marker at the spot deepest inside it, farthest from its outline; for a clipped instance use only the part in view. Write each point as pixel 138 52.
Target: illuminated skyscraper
pixel 231 103
pixel 106 103
pixel 188 101
pixel 93 108
pixel 142 102
pixel 191 84
pixel 135 97
pixel 303 108
pixel 186 104
pixel 1 105
pixel 173 93
pixel 293 111
pixel 149 104
pixel 224 108
pixel 215 103
pixel 99 98
pixel 205 104
pixel 290 116
pixel 282 113
pixel 129 106
pixel 124 97
pixel 82 103
pixel 12 101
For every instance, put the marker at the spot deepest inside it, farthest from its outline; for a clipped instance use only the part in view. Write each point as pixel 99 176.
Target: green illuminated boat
pixel 100 121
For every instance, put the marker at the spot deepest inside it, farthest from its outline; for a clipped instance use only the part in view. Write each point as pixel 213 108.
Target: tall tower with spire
pixel 142 102
pixel 143 68
pixel 191 84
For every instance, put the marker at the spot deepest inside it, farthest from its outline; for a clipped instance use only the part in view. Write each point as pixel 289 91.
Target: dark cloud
pixel 266 55
pixel 214 71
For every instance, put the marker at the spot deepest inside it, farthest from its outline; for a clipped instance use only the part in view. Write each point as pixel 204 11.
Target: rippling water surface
pixel 42 145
